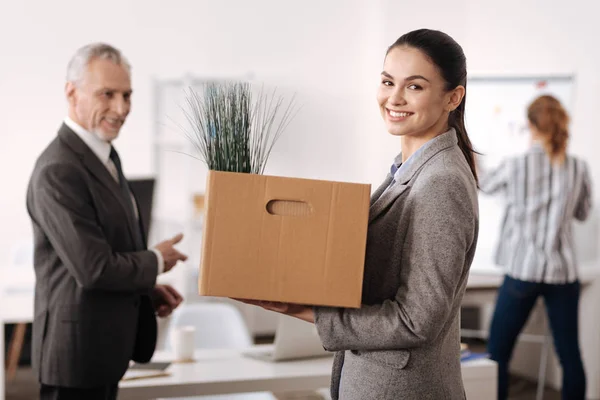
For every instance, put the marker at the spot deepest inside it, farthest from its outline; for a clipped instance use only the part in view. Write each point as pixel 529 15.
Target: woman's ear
pixel 455 97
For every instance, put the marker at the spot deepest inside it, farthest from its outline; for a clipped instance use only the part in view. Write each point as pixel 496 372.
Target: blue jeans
pixel 514 304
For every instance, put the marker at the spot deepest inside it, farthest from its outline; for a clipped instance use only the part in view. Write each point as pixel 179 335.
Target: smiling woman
pixel 412 105
pixel 404 342
pixel 419 87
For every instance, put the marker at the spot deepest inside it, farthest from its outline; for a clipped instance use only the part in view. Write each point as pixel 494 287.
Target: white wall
pixel 329 52
pixel 315 48
pixel 535 37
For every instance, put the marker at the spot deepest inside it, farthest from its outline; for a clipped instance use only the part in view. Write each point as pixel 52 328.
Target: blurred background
pixel 329 55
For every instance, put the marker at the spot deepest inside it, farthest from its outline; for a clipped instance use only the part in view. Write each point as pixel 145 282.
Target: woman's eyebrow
pixel 410 78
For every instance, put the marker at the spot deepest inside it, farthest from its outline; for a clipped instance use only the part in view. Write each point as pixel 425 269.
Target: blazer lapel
pixel 377 194
pixel 382 199
pixel 386 199
pixel 99 171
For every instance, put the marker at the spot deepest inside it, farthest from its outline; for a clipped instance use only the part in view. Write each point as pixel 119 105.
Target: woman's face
pixel 412 95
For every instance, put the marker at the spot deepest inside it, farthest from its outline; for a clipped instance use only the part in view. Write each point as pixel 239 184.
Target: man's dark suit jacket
pixel 93 313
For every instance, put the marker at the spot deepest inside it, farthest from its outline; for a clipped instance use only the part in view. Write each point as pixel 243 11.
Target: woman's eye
pixel 414 87
pixel 387 83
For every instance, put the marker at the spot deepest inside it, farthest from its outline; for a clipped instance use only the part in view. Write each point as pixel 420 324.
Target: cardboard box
pixel 284 239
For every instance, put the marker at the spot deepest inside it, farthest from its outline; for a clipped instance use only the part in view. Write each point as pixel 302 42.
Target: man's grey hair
pixel 86 54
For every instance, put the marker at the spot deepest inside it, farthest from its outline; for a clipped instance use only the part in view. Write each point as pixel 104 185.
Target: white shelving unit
pixel 180 176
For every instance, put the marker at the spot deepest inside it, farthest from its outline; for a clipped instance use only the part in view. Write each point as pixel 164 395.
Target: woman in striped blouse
pixel 545 188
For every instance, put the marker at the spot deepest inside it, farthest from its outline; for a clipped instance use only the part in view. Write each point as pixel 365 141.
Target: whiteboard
pixel 496 120
pixel 496 111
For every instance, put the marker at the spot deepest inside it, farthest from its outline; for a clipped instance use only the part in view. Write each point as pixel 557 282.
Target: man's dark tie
pixel 126 193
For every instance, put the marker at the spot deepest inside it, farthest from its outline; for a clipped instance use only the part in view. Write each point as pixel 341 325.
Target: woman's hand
pixel 299 311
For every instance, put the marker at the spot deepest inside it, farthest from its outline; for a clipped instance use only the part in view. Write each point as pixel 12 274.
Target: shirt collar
pixel 537 146
pixel 99 147
pixel 403 165
pixel 400 166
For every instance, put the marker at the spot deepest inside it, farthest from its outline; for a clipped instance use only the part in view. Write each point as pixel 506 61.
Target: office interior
pixel 328 54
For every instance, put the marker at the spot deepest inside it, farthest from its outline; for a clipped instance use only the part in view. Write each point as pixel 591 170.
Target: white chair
pixel 218 326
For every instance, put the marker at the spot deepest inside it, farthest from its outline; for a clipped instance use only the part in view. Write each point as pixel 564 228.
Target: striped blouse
pixel 542 198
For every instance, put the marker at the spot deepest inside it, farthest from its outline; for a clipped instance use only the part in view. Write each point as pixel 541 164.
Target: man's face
pixel 101 100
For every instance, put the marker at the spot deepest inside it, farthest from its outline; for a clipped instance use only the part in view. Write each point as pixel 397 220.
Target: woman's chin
pixel 395 131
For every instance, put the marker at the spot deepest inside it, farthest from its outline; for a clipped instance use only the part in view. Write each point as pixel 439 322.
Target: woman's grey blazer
pixel 404 342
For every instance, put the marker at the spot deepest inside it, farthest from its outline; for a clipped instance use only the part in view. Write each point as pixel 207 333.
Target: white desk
pixel 16 305
pixel 228 371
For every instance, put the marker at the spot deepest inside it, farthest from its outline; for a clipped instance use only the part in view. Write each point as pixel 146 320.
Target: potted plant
pixel 269 237
pixel 233 129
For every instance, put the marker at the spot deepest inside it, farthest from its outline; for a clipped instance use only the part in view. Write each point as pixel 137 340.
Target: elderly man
pixel 96 294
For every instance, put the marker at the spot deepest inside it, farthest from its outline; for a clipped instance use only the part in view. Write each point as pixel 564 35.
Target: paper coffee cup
pixel 183 343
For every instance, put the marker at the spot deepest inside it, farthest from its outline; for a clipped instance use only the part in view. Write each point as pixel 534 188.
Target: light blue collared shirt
pixel 396 170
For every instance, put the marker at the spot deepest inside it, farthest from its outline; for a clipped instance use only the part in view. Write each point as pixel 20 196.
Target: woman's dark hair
pixel 450 60
pixel 552 121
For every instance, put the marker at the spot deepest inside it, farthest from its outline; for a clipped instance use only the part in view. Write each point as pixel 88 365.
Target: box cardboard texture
pixel 284 239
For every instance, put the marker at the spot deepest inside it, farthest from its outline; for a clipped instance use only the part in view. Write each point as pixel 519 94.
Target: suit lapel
pixel 97 169
pixel 386 199
pixel 377 194
pixel 382 199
